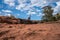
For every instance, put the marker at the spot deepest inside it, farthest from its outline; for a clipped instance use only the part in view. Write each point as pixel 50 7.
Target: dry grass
pixel 43 31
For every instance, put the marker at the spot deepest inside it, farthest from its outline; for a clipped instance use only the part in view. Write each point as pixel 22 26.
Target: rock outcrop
pixel 9 20
pixel 12 20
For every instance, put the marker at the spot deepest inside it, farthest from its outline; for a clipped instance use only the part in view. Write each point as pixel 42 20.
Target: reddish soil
pixel 43 31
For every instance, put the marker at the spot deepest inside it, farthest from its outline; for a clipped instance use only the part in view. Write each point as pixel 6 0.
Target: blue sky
pixel 24 8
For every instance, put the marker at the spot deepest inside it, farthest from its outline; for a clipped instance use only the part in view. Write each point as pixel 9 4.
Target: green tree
pixel 48 11
pixel 57 16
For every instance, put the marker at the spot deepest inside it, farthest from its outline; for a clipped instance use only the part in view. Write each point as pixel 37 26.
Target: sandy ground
pixel 43 31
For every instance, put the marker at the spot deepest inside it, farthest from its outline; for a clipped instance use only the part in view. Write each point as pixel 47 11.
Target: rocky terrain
pixel 13 20
pixel 40 31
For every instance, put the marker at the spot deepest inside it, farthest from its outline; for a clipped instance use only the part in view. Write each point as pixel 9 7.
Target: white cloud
pixel 10 2
pixel 20 7
pixel 40 14
pixel 57 8
pixel 51 1
pixel 58 3
pixel 40 3
pixel 22 1
pixel 7 11
pixel 23 6
pixel 34 1
pixel 30 13
pixel 8 15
